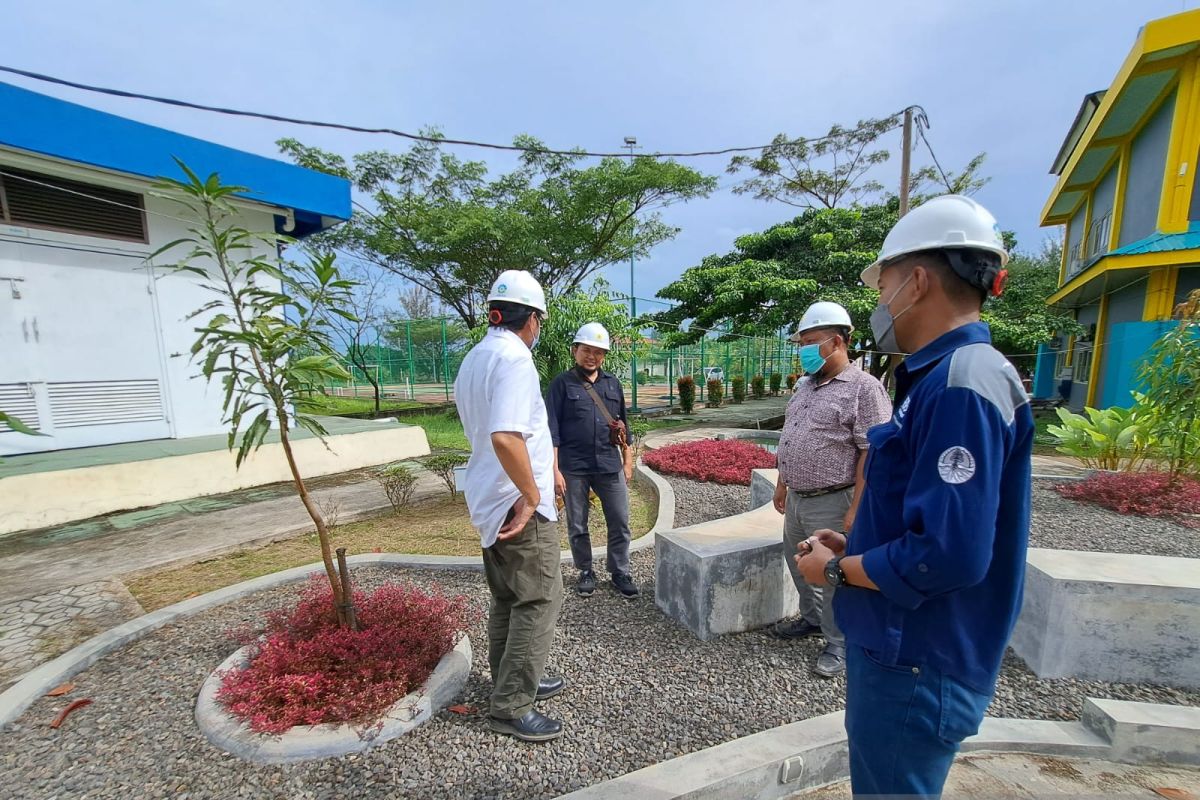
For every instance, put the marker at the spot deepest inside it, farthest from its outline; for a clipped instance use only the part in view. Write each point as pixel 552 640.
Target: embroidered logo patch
pixel 956 465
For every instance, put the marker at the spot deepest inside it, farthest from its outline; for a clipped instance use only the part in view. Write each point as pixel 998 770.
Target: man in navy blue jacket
pixel 930 577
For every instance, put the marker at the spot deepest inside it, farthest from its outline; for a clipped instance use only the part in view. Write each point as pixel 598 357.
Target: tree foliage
pixel 829 172
pixel 440 223
pixel 1171 380
pixel 770 278
pixel 1020 319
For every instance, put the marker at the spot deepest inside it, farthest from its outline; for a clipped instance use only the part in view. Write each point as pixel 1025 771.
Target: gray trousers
pixel 803 516
pixel 525 577
pixel 614 500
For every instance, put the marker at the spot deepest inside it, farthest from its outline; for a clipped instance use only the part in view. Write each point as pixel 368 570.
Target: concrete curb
pixel 304 743
pixel 21 695
pixel 783 761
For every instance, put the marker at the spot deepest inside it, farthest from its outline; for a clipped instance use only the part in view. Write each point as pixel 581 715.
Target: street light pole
pixel 631 143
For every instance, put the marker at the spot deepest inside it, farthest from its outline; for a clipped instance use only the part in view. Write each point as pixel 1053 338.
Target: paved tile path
pixel 42 627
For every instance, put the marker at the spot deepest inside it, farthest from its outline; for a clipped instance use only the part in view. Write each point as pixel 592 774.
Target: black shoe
pixel 625 586
pixel 796 629
pixel 587 583
pixel 549 687
pixel 533 727
pixel 831 662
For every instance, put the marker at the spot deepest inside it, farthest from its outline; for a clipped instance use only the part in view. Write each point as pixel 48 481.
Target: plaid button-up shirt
pixel 826 427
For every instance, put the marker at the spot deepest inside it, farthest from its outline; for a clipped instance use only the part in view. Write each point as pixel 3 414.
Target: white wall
pixel 192 406
pixel 195 405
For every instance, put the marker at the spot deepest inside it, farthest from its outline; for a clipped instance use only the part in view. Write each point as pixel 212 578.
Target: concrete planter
pixel 307 742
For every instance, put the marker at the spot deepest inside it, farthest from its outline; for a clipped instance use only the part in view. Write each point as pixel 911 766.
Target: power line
pixel 392 131
pixel 922 125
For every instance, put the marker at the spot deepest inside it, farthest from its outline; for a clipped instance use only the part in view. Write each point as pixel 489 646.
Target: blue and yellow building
pixel 1128 197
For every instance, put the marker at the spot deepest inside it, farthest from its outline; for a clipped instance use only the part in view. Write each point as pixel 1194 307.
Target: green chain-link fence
pixel 423 357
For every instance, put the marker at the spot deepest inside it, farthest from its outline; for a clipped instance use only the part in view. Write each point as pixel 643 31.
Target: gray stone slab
pixel 762 487
pixel 304 743
pixel 1111 617
pixel 725 576
pixel 1146 732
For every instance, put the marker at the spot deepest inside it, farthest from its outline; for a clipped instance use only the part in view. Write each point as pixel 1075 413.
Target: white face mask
pixel 883 322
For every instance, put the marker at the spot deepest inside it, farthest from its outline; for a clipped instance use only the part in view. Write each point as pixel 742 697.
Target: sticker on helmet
pixel 502 288
pixel 956 465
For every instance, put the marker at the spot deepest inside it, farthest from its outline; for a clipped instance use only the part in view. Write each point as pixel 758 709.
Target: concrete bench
pixel 728 575
pixel 1111 617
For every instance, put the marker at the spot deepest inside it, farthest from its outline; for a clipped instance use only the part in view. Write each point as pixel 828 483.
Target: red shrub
pixel 726 461
pixel 306 670
pixel 1149 494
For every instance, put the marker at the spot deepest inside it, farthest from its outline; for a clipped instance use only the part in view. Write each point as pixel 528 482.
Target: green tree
pixel 829 172
pixel 441 224
pixel 1171 380
pixel 771 277
pixel 248 342
pixel 1020 319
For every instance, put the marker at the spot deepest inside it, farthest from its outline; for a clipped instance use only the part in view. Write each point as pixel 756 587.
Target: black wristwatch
pixel 833 572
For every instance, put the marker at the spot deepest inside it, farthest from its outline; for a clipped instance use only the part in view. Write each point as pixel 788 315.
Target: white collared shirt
pixel 497 390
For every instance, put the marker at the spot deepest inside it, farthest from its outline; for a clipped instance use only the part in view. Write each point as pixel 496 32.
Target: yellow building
pixel 1128 196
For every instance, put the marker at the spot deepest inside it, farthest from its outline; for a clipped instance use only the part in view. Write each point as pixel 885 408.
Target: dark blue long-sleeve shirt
pixel 577 427
pixel 944 522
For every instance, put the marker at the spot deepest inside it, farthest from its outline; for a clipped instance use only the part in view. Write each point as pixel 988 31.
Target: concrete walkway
pixel 1018 775
pixel 60 586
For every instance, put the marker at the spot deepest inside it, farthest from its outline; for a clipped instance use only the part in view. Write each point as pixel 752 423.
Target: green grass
pixel 444 431
pixel 1043 442
pixel 437 526
pixel 334 406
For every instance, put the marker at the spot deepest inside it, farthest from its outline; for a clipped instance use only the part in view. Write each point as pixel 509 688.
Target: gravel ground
pixel 1064 524
pixel 642 690
pixel 700 501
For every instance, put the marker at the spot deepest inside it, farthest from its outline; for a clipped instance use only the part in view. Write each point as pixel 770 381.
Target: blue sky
pixel 1005 78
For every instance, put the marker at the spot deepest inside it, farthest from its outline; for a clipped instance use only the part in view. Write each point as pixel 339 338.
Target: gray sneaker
pixel 831 662
pixel 587 583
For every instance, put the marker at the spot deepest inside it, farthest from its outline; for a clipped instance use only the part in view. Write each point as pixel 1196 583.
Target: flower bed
pixel 1149 494
pixel 727 461
pixel 306 670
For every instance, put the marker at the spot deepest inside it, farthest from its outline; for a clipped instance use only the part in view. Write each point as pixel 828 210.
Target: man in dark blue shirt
pixel 586 407
pixel 933 568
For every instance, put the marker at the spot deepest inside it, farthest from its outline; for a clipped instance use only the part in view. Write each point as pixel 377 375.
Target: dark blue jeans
pixel 905 724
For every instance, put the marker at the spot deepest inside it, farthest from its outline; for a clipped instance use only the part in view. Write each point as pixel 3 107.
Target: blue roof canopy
pixel 1163 242
pixel 42 124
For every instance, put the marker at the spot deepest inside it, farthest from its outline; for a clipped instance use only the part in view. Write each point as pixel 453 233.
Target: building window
pixel 1098 238
pixel 1083 364
pixel 34 200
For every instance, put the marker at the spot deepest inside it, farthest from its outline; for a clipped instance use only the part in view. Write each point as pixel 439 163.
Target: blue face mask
pixel 811 359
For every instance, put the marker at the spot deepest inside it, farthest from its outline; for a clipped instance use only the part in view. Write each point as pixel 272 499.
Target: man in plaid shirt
pixel 821 454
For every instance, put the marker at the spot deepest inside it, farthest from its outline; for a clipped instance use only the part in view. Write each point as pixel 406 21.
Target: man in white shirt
pixel 510 494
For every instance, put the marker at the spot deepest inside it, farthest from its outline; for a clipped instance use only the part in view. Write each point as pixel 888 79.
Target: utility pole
pixel 905 159
pixel 631 143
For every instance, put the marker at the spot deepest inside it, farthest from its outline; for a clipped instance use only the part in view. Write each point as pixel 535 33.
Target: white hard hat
pixel 823 315
pixel 594 334
pixel 518 286
pixel 949 222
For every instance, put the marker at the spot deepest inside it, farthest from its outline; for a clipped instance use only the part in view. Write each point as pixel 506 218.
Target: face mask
pixel 883 323
pixel 811 358
pixel 537 337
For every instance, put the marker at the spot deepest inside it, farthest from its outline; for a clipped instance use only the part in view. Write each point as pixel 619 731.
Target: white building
pixel 89 328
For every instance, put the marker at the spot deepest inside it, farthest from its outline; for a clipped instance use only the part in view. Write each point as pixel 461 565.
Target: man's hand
pixel 780 499
pixel 628 474
pixel 812 564
pixel 522 512
pixel 560 484
pixel 836 542
pixel 848 520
